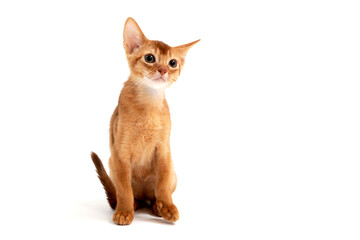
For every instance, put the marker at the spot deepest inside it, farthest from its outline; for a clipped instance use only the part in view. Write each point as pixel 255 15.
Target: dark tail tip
pixel 97 162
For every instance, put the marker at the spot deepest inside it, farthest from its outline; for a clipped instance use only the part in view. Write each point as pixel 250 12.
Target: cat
pixel 141 168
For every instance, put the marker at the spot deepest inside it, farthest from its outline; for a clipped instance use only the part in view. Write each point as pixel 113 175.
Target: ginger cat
pixel 141 168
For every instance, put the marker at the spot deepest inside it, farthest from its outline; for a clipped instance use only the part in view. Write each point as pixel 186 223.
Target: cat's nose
pixel 162 70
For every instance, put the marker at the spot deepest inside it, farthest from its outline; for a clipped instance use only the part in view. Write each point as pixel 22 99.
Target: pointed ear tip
pixel 130 19
pixel 131 24
pixel 195 42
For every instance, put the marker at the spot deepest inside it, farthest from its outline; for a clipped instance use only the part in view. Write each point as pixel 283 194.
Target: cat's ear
pixel 183 49
pixel 133 36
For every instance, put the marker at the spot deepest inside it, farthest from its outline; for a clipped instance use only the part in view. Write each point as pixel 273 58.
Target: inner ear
pixel 133 36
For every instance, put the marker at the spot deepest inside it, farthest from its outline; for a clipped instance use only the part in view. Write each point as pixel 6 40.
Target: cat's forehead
pixel 163 48
pixel 160 48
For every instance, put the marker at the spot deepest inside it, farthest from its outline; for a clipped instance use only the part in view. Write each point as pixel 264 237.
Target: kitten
pixel 141 169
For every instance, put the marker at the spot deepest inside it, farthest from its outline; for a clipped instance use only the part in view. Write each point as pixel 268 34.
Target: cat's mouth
pixel 156 81
pixel 159 79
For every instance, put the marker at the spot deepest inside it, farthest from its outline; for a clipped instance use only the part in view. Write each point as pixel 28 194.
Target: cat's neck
pixel 144 95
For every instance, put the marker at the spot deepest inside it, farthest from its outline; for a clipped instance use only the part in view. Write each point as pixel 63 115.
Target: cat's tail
pixel 105 180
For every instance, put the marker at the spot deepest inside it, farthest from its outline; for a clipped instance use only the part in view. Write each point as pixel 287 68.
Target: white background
pixel 266 118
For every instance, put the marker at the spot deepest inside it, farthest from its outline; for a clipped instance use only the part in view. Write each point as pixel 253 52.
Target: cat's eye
pixel 173 63
pixel 149 58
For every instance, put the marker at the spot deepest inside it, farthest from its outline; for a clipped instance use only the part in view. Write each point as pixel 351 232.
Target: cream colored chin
pixel 156 84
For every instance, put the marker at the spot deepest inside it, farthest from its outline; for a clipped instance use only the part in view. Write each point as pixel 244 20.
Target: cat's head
pixel 152 63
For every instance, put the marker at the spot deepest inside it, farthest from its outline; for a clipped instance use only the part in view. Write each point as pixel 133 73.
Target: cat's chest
pixel 146 136
pixel 147 130
pixel 149 122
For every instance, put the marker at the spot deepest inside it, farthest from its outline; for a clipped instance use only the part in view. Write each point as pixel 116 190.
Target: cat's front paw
pixel 168 211
pixel 123 218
